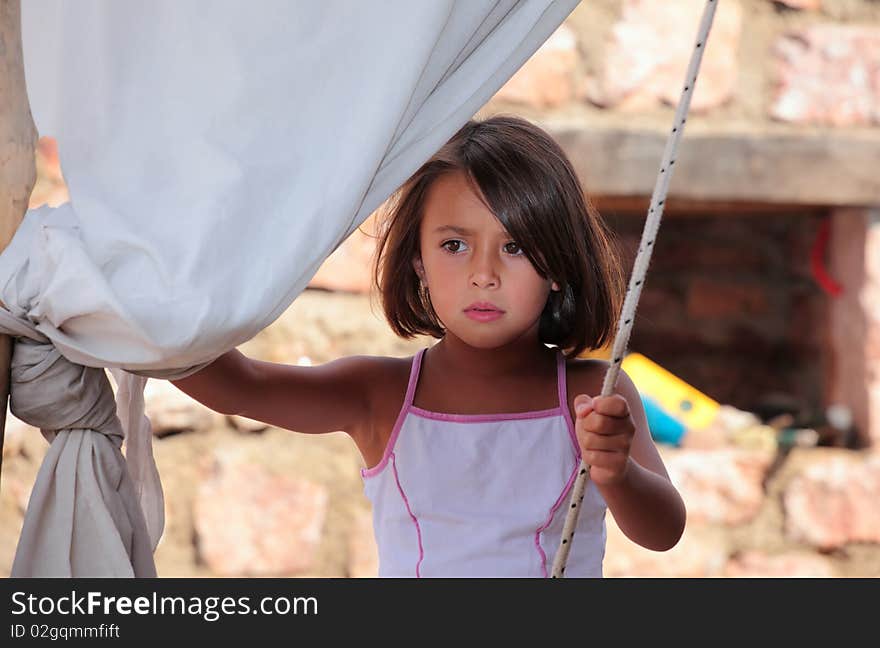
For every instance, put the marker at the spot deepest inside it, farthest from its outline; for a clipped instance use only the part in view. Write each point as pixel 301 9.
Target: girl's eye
pixel 513 248
pixel 453 245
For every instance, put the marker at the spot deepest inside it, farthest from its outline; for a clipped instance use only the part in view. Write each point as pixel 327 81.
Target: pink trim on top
pixel 563 402
pixel 480 418
pixel 550 518
pixel 395 432
pixel 414 519
pixel 472 418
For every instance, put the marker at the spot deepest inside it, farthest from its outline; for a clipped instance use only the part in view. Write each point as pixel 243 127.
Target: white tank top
pixel 481 495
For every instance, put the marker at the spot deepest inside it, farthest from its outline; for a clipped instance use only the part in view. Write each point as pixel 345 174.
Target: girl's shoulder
pixel 390 375
pixel 386 379
pixel 384 375
pixel 586 375
pixel 387 366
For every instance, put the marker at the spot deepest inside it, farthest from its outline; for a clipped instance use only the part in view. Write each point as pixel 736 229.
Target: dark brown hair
pixel 528 183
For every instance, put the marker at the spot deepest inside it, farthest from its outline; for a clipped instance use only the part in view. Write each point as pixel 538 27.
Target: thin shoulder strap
pixel 414 377
pixel 560 380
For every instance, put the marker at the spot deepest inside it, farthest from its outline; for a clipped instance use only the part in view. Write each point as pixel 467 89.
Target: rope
pixel 640 269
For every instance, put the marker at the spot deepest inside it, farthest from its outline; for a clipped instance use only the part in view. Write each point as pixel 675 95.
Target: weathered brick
pixel 16 431
pixel 854 318
pixel 649 52
pixel 719 299
pixel 797 249
pixel 698 255
pixel 660 306
pixel 50 188
pixel 834 502
pixel 872 349
pixel 719 486
pixel 246 425
pixel 23 440
pixel 171 410
pixel 758 564
pixel 350 267
pixel 808 320
pixel 546 80
pixel 873 420
pixel 363 554
pixel 809 5
pixel 253 523
pixel 17 490
pixel 872 252
pixel 700 553
pixel 828 74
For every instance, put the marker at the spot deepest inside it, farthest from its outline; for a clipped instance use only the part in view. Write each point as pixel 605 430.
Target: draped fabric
pixel 84 516
pixel 215 153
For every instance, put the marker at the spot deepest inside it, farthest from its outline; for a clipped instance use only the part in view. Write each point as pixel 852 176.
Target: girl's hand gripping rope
pixel 605 432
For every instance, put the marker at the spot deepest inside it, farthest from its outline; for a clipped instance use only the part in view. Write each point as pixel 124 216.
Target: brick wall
pixel 730 304
pixel 855 319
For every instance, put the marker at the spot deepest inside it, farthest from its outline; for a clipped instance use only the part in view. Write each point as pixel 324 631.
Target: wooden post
pixel 18 173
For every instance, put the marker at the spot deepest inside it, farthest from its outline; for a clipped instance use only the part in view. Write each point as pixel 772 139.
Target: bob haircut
pixel 524 178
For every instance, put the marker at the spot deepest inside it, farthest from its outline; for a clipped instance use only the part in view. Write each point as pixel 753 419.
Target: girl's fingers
pixel 612 461
pixel 608 443
pixel 614 406
pixel 583 405
pixel 593 410
pixel 603 424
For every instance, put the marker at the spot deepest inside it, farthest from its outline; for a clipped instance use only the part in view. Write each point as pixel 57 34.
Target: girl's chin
pixel 486 340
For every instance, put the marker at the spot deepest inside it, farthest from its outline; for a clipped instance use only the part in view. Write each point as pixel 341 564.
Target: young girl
pixel 473 444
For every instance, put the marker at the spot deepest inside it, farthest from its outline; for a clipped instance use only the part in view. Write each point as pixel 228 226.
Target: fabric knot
pixel 52 393
pixel 92 510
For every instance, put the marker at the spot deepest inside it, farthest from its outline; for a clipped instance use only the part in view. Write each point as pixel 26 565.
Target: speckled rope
pixel 640 269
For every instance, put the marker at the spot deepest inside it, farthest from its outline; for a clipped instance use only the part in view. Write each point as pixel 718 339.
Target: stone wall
pixel 767 62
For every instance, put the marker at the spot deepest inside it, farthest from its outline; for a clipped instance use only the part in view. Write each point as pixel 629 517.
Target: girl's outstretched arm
pixel 627 469
pixel 326 398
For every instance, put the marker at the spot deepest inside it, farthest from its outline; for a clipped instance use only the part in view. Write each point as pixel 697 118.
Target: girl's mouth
pixel 483 314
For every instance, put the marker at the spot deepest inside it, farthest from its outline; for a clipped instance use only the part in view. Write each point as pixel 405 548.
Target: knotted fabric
pixel 86 513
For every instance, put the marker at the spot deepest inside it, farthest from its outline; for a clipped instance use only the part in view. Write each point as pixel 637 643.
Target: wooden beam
pixel 18 173
pixel 816 168
pixel 680 207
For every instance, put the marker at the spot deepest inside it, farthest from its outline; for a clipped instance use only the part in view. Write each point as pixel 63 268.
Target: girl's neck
pixel 520 357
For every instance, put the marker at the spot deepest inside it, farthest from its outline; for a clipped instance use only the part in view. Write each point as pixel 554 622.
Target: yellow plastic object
pixel 677 398
pixel 602 353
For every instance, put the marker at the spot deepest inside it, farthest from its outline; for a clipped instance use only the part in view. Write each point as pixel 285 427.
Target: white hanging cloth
pixel 215 154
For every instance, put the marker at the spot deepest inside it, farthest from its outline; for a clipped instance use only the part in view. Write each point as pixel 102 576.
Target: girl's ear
pixel 554 287
pixel 419 268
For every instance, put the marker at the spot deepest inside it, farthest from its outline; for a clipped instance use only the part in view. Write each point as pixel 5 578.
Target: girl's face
pixel 483 288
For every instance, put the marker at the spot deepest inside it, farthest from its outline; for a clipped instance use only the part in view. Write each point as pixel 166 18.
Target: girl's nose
pixel 484 273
